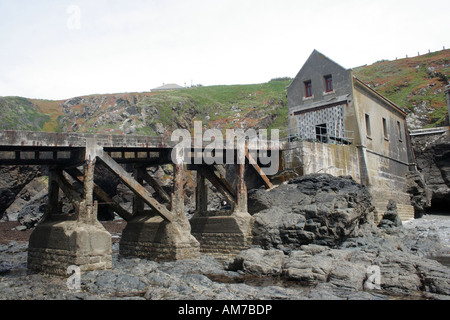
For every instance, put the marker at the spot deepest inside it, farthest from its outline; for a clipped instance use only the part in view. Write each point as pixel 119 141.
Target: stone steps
pixel 405 211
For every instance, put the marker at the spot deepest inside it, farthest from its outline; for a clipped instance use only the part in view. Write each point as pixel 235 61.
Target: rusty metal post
pixel 177 205
pixel 88 209
pixel 241 189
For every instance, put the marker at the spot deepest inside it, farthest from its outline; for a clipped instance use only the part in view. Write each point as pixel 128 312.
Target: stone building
pixel 168 87
pixel 345 127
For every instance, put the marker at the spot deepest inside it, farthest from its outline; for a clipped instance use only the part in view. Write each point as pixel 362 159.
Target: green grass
pixel 18 113
pixel 411 82
pixel 219 103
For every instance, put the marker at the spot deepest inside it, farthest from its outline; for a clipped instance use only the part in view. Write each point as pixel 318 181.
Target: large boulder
pixel 315 209
pixel 29 197
pixel 419 192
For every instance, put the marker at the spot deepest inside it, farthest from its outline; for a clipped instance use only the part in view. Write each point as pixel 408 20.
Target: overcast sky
pixel 58 49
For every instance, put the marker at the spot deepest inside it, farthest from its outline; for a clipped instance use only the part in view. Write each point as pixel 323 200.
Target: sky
pixel 59 49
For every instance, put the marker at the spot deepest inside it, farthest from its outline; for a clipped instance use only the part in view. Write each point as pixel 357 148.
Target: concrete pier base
pixel 148 235
pixel 151 237
pixel 223 234
pixel 223 237
pixel 62 240
pixel 54 246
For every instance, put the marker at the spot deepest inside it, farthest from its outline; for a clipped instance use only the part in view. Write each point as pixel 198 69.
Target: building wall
pixel 303 157
pixel 384 150
pixel 333 117
pixel 393 143
pixel 379 159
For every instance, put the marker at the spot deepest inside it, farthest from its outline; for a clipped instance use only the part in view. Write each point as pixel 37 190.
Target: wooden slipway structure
pixel 157 230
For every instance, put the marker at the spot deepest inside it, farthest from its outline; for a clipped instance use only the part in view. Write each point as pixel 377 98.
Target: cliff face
pixel 159 113
pixel 433 162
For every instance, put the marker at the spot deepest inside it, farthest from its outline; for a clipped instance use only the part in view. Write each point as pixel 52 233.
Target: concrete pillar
pixel 226 234
pixel 138 203
pixel 53 195
pixel 177 201
pixel 88 210
pixel 62 240
pixel 241 190
pixel 150 236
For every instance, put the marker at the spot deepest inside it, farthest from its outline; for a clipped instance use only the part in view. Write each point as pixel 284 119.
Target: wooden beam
pixel 134 186
pixel 101 194
pixel 154 184
pixel 217 182
pixel 68 190
pixel 258 170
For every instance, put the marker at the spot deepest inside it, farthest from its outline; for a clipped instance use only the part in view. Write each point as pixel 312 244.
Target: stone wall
pixel 384 177
pixel 303 157
pixel 56 245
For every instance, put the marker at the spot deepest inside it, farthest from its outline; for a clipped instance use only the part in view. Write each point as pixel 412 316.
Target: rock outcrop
pixel 318 231
pixel 390 217
pixel 350 268
pixel 432 153
pixel 419 192
pixel 314 209
pixel 12 182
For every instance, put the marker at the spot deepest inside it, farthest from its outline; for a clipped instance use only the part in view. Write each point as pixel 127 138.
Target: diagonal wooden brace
pixel 68 190
pixel 258 169
pixel 102 195
pixel 154 184
pixel 217 182
pixel 134 186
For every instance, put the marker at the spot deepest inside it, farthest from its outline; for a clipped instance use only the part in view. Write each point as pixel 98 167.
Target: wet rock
pixel 318 209
pixel 345 271
pixel 259 261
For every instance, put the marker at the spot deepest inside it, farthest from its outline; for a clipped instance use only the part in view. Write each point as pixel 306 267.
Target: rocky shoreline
pixel 313 272
pixel 313 239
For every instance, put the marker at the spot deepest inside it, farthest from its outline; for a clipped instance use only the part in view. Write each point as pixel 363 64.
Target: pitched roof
pixel 316 55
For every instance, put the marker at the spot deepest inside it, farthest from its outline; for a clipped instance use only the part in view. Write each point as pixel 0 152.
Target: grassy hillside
pixel 244 106
pixel 415 84
pixel 18 113
pixel 224 106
